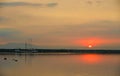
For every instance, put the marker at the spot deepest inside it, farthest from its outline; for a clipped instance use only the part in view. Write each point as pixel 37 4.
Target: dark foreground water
pixel 60 65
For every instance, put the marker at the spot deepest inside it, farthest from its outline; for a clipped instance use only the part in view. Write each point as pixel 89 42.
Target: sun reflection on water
pixel 91 58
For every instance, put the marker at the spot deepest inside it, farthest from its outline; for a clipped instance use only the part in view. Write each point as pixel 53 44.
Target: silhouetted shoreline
pixel 57 51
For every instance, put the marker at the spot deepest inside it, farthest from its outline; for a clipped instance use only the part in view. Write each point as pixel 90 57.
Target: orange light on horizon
pixel 90 42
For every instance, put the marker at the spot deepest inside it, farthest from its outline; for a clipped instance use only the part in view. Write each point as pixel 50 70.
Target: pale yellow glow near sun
pixel 90 46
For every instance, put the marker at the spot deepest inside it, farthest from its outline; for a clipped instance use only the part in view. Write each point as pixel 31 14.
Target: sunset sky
pixel 72 24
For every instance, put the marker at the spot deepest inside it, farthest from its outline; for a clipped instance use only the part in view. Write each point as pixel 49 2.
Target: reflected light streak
pixel 91 58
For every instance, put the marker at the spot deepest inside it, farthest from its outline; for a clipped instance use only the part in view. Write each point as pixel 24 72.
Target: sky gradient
pixel 61 23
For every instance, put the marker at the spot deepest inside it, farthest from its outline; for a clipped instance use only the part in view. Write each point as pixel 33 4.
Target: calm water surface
pixel 60 65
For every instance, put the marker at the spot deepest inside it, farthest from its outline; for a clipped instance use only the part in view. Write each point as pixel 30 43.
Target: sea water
pixel 60 65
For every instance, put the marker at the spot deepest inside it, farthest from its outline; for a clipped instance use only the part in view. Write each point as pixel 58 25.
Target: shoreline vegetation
pixel 56 51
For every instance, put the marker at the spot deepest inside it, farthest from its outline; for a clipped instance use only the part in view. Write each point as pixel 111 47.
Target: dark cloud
pixel 52 4
pixel 8 33
pixel 2 19
pixel 18 4
pixel 16 45
pixel 89 2
pixel 93 2
pixel 13 4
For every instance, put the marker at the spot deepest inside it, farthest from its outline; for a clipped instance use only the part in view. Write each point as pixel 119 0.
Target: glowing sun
pixel 90 46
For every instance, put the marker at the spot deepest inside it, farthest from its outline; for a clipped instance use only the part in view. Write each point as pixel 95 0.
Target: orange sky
pixel 61 23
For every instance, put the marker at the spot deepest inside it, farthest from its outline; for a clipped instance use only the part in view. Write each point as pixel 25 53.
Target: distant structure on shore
pixel 57 51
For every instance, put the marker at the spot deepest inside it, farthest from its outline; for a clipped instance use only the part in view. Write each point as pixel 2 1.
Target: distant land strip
pixel 56 51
